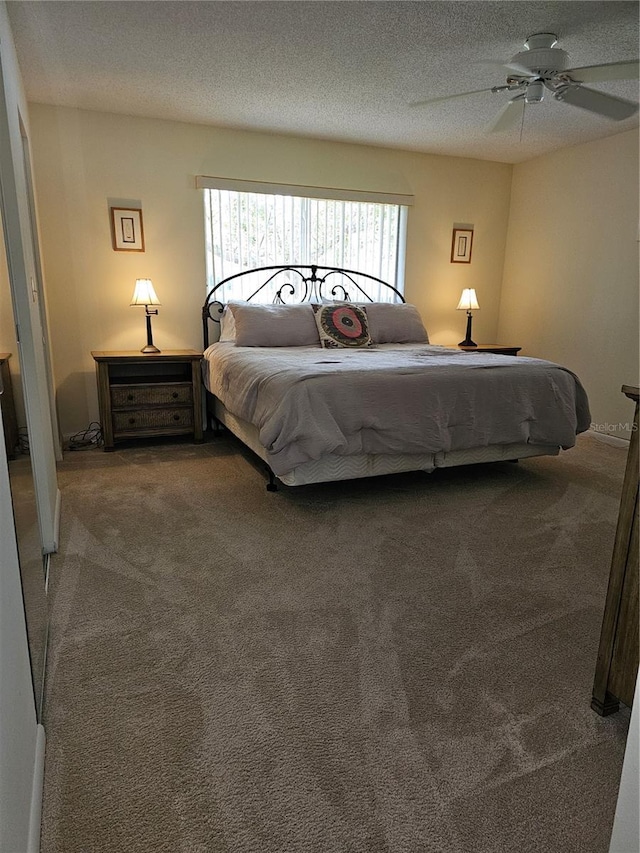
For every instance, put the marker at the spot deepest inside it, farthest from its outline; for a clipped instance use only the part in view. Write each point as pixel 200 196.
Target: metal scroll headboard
pixel 287 284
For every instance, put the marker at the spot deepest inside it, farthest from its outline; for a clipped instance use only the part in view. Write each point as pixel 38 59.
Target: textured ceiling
pixel 335 70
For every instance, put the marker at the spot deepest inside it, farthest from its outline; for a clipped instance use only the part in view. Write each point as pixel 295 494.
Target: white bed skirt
pixel 334 467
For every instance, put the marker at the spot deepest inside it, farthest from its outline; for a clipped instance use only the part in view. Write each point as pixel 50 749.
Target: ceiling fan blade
pixel 521 70
pixel 509 116
pixel 447 98
pixel 512 66
pixel 597 102
pixel 602 73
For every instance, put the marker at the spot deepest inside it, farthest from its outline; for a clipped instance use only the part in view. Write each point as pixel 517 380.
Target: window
pixel 246 229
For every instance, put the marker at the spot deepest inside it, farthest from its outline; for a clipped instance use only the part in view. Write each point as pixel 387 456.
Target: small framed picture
pixel 126 229
pixel 461 246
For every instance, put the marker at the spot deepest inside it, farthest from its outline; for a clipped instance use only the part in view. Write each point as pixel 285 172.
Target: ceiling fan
pixel 541 68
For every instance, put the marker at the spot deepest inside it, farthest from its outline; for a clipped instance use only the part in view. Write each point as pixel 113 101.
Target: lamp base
pixel 467 342
pixel 149 348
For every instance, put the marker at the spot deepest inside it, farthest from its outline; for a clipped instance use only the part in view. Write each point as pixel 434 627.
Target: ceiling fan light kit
pixel 542 67
pixel 535 92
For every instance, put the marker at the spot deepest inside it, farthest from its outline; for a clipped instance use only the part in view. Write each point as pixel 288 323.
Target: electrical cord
pixel 86 438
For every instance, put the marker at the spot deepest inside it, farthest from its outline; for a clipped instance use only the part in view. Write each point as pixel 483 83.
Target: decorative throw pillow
pixel 342 325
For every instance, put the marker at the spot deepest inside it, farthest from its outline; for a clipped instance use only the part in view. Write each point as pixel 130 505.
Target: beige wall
pixel 570 291
pixel 82 159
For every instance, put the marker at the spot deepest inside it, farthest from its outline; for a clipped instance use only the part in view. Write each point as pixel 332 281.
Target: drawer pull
pixel 175 395
pixel 130 397
pixel 132 420
pixel 176 417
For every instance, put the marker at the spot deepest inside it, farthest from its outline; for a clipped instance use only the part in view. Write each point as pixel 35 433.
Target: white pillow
pixel 227 325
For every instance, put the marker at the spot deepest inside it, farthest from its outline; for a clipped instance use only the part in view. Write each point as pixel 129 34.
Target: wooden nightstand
pixel 145 395
pixel 9 419
pixel 495 348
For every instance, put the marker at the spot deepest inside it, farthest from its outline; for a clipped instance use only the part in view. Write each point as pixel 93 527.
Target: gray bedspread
pixel 410 398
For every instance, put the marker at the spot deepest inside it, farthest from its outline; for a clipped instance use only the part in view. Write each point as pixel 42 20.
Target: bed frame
pixel 290 284
pixel 293 283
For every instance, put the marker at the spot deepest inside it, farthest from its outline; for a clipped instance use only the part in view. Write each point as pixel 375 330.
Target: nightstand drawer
pixel 152 394
pixel 143 419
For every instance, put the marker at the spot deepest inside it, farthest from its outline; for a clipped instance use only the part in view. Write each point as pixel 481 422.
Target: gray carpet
pixel 402 664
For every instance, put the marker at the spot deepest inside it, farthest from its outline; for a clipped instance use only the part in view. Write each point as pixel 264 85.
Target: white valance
pixel 334 193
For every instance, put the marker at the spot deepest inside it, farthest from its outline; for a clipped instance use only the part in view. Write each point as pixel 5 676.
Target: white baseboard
pixel 52 546
pixel 609 439
pixel 46 566
pixel 35 813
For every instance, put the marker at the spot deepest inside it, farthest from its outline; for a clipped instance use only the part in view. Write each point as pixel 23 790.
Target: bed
pixel 324 382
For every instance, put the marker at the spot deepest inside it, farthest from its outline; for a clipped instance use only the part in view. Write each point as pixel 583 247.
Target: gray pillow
pixel 395 323
pixel 274 325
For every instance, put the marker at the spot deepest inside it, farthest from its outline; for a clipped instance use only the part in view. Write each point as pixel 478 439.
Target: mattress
pixel 413 406
pixel 333 467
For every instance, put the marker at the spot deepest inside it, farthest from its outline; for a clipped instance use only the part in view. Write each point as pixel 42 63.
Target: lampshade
pixel 144 294
pixel 468 301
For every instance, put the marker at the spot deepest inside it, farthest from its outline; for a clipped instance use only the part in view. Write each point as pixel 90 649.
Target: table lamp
pixel 144 294
pixel 468 303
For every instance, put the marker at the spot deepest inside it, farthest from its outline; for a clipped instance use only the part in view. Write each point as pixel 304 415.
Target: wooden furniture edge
pixel 481 347
pixel 7 400
pixel 603 702
pixel 135 355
